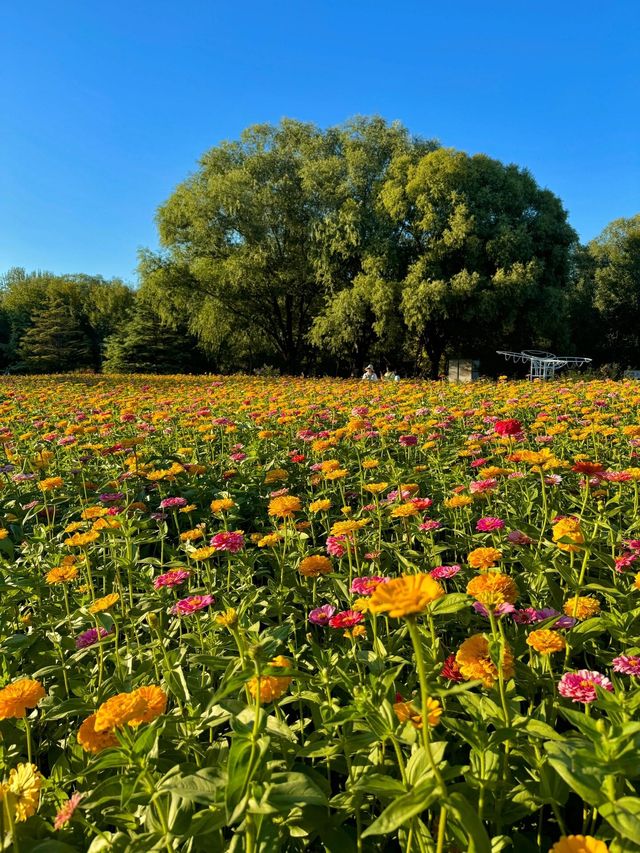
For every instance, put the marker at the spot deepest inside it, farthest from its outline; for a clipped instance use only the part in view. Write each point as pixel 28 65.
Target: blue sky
pixel 107 106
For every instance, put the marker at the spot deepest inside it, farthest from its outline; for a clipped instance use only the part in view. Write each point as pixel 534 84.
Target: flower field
pixel 264 614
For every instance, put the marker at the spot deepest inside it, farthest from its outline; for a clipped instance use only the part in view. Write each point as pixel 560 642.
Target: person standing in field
pixel 369 374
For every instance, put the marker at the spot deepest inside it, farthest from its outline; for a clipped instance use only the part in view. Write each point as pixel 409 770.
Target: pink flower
pixel 481 486
pixel 625 561
pixel 187 606
pixel 430 524
pixel 172 578
pixel 627 664
pixel 517 537
pixel 238 457
pixel 488 523
pixel 366 585
pixel 503 609
pixel 322 615
pixel 227 540
pixel 335 547
pixel 553 480
pixel 66 811
pixel 444 572
pixel 346 619
pixel 581 686
pixel 633 544
pixel 172 503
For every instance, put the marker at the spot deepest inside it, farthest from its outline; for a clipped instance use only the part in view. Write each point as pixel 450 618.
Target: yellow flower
pixel 202 553
pixel 493 589
pixel 406 712
pixel 404 510
pixel 338 474
pixel 483 558
pixel 104 603
pixel 458 501
pixel 375 488
pixel 228 619
pixel 341 528
pixel 3 533
pixel 579 844
pixel 406 595
pixel 358 632
pixel 369 464
pixel 24 784
pixel 192 535
pixel 314 566
pixel 50 483
pixel 568 528
pixel 221 505
pixel 92 512
pixel 546 642
pixel 285 506
pixel 275 475
pixel 582 606
pixel 320 505
pixel 80 539
pixel 475 662
pixel 270 540
pixel 16 697
pixel 62 574
pixel 270 686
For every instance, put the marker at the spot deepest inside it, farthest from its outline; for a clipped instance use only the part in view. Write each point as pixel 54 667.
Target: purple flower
pixel 172 503
pixel 111 497
pixel 90 637
pixel 321 615
pixel 504 609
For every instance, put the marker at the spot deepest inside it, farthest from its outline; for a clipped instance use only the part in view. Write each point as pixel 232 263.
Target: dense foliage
pixel 316 251
pixel 251 614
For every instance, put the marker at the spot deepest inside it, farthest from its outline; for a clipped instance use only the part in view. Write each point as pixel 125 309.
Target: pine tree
pixel 146 345
pixel 57 340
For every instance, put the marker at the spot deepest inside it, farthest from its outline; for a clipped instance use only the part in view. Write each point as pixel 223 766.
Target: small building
pixel 463 369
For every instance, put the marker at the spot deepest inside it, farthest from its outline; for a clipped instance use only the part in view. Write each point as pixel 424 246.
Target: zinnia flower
pixel 579 844
pixel 284 507
pixel 509 427
pixel 580 686
pixel 345 619
pixel 406 712
pixel 155 704
pixel 226 540
pixel 172 578
pixel 450 670
pixel 65 812
pixel 25 781
pixel 546 642
pixel 582 606
pixel 118 710
pixel 89 637
pixel 172 503
pixel 444 572
pixel 101 604
pixel 62 574
pixel 16 697
pixel 314 566
pixel 568 528
pixel 271 686
pixel 321 615
pixel 489 523
pixel 366 585
pixel 475 662
pixel 335 546
pixel 483 558
pixel 95 741
pixel 405 596
pixel 493 589
pixel 187 606
pixel 627 664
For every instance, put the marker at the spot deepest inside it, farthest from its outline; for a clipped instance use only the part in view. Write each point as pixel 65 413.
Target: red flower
pixel 509 427
pixel 346 619
pixel 451 670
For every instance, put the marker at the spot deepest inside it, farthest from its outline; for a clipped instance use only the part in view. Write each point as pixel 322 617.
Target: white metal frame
pixel 543 365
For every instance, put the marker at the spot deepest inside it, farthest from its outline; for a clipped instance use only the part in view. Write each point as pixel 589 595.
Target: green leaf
pixel 200 787
pixel 623 816
pixel 578 769
pixel 403 809
pixel 450 603
pixel 294 789
pixel 467 816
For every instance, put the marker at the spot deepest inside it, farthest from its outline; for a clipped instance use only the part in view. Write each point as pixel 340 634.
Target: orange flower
pixel 271 686
pixel 155 704
pixel 313 566
pixel 493 589
pixel 15 698
pixel 62 574
pixel 475 662
pixel 405 596
pixel 568 528
pixel 284 506
pixel 483 558
pixel 120 709
pixel 546 642
pixel 94 741
pixel 582 606
pixel 407 712
pixel 104 603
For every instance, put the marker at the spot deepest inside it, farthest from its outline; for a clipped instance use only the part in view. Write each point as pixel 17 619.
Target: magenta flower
pixel 90 637
pixel 226 540
pixel 444 572
pixel 111 497
pixel 429 525
pixel 489 523
pixel 366 585
pixel 408 440
pixel 170 579
pixel 321 615
pixel 187 606
pixel 172 503
pixel 581 686
pixel 346 619
pixel 503 609
pixel 627 664
pixel 625 562
pixel 335 546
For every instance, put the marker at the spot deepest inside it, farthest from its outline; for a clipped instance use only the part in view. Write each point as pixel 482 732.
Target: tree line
pixel 318 250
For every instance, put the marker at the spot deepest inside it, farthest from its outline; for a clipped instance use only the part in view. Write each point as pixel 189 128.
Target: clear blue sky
pixel 107 106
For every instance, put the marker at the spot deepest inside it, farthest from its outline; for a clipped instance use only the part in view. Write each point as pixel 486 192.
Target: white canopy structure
pixel 543 365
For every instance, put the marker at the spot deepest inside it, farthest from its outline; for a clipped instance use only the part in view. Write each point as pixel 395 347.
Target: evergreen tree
pixel 145 344
pixel 57 340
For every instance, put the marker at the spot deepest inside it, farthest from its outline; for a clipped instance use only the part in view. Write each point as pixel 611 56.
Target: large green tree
pixel 58 340
pixel 271 226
